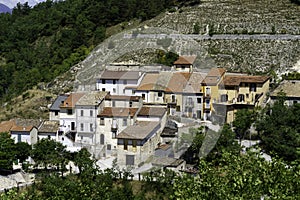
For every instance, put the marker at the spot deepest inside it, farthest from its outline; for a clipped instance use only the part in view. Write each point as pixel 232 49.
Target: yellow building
pixel 238 92
pixel 210 88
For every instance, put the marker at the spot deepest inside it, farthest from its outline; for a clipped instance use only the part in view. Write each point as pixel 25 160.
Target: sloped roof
pixel 120 75
pixel 58 101
pixel 5 126
pixel 152 111
pixel 148 81
pixel 71 101
pixel 117 112
pixel 122 97
pixel 216 71
pixel 25 125
pixel 178 82
pixel 91 98
pixel 140 130
pixel 49 127
pixel 231 80
pixel 291 88
pixel 194 83
pixel 185 60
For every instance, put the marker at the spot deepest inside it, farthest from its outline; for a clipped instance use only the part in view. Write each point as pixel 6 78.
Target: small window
pixel 62 139
pixel 114 90
pixel 103 81
pixel 103 89
pixel 56 113
pixel 124 122
pixel 91 113
pixel 124 91
pixel 160 94
pixel 134 143
pixel 109 147
pixel 247 95
pixel 114 134
pixel 101 139
pixel 114 82
pixel 81 127
pixel 81 112
pixel 69 111
pixel 102 121
pixel 143 96
pixel 198 100
pixel 113 104
pixel 49 137
pixel 129 159
pixel 224 98
pixel 125 144
pixel 130 104
pixel 91 128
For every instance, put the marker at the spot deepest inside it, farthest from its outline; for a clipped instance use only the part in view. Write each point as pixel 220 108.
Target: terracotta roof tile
pixel 152 111
pixel 194 83
pixel 117 112
pixel 6 126
pixel 185 60
pixel 71 101
pixel 237 80
pixel 140 130
pixel 148 81
pixel 216 72
pixel 122 97
pixel 178 82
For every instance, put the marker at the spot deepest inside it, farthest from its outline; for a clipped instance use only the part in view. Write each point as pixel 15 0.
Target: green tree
pixel 83 161
pixel 244 118
pixel 22 151
pixel 49 152
pixel 7 152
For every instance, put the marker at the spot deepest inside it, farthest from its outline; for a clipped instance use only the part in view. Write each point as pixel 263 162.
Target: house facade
pixel 291 91
pixel 119 82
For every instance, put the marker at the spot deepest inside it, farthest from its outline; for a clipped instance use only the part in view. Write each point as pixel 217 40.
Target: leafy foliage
pixel 279 128
pixel 39 43
pixel 7 152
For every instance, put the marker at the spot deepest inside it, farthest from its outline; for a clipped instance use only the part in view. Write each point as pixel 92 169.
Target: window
pixel 207 91
pixel 241 98
pixel 134 143
pixel 81 112
pixel 109 147
pixel 160 94
pixel 125 82
pixel 91 113
pixel 125 144
pixel 103 89
pixel 252 87
pixel 247 95
pixel 224 97
pixel 190 101
pixel 124 91
pixel 114 134
pixel 102 121
pixel 69 111
pixel 198 100
pixel 81 126
pixel 56 113
pixel 19 138
pixel 113 104
pixel 114 82
pixel 129 159
pixel 114 90
pixel 124 122
pixel 101 139
pixel 130 104
pixel 91 128
pixel 103 81
pixel 143 96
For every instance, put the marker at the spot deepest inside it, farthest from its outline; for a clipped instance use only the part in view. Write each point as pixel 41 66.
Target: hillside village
pixel 135 115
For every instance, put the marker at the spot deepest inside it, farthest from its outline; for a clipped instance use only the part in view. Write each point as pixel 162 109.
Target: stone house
pixel 185 63
pixel 291 91
pixel 119 82
pixel 238 92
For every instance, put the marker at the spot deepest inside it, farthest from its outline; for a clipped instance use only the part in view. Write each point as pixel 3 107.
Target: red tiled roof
pixel 185 60
pixel 118 112
pixel 177 82
pixel 148 82
pixel 237 80
pixel 152 111
pixel 5 126
pixel 71 100
pixel 216 72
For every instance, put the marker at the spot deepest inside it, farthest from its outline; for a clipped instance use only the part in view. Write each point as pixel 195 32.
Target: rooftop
pixel 56 104
pixel 185 60
pixel 194 83
pixel 120 75
pixel 153 111
pixel 91 98
pixel 177 82
pixel 71 100
pixel 140 130
pixel 236 80
pixel 25 124
pixel 117 112
pixel 49 127
pixel 291 88
pixel 122 97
